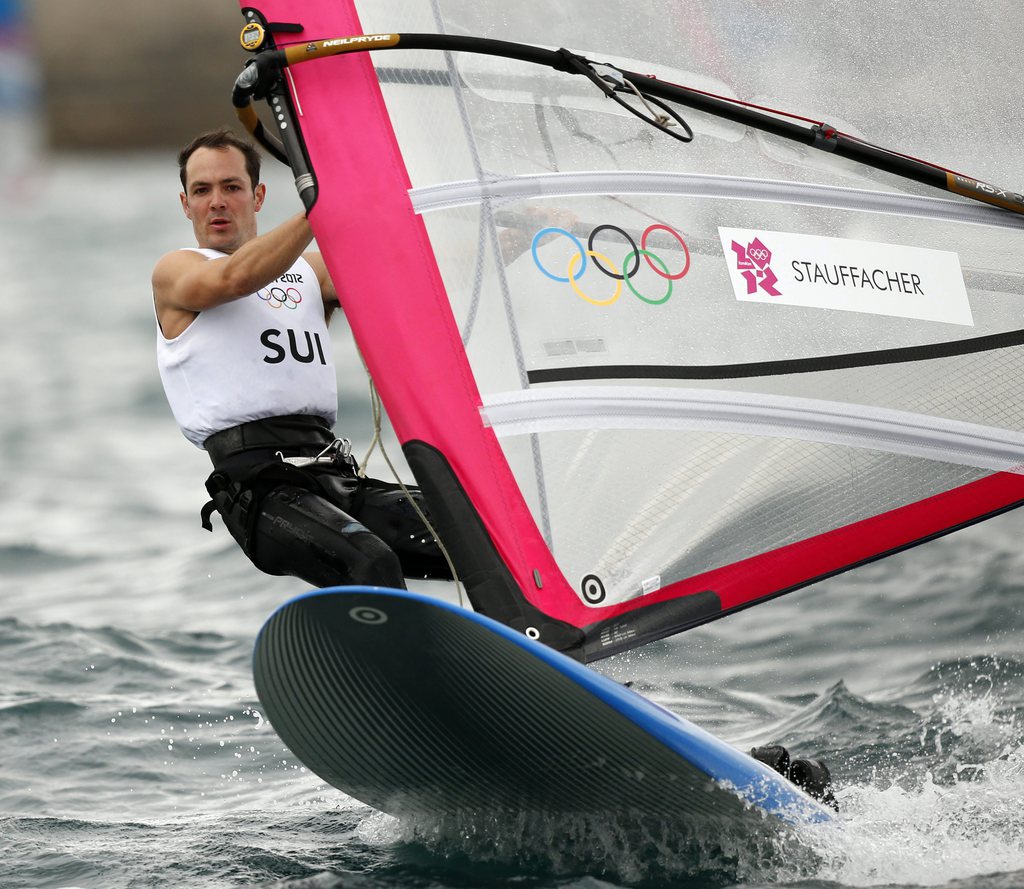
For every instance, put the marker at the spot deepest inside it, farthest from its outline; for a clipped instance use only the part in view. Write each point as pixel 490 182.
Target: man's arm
pixel 185 282
pixel 515 240
pixel 327 289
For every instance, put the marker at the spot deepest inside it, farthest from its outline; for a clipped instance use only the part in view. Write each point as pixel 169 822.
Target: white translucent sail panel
pixel 637 482
pixel 530 310
pixel 871 69
pixel 765 342
pixel 642 510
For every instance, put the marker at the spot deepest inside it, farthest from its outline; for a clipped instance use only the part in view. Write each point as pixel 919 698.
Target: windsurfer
pixel 244 356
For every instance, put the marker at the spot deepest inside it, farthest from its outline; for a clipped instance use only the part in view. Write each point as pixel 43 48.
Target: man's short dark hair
pixel 221 139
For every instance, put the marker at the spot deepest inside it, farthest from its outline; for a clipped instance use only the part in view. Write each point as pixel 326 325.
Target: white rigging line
pixel 378 442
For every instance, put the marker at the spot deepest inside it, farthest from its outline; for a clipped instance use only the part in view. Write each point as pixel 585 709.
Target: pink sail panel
pixel 378 253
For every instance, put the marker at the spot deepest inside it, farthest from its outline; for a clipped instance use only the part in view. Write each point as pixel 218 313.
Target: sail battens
pixel 753 413
pixel 468 192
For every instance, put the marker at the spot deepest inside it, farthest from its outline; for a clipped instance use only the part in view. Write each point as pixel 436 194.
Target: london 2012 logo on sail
pixel 753 261
pixel 579 259
pixel 815 272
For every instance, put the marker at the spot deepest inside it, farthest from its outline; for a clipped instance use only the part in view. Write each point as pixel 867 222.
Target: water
pixel 133 750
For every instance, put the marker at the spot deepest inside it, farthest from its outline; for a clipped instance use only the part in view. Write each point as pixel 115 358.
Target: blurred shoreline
pixel 114 75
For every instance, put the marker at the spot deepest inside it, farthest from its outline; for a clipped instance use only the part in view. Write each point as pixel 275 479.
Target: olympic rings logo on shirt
pixel 276 297
pixel 626 271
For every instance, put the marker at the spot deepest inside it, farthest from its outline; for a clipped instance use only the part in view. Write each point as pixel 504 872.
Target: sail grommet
pixel 593 589
pixel 532 632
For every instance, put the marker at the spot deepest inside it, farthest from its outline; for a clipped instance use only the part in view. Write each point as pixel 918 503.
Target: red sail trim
pixel 797 564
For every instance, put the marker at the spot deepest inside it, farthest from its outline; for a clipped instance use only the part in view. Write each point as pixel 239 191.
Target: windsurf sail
pixel 656 351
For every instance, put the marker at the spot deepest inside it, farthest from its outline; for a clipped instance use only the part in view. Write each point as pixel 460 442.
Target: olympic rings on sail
pixel 626 271
pixel 276 297
pixel 572 279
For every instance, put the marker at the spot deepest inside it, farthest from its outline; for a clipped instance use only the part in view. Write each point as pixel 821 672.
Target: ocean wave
pixel 21 559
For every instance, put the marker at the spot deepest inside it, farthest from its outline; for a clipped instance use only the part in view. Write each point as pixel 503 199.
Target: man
pixel 244 356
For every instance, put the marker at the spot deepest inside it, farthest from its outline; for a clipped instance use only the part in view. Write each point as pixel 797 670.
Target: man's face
pixel 219 198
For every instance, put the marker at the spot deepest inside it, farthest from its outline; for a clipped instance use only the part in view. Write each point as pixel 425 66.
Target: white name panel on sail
pixel 846 275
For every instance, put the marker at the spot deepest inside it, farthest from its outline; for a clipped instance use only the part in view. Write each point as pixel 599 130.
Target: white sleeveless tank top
pixel 264 355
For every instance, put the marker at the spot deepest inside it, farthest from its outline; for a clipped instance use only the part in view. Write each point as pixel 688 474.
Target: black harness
pixel 290 494
pixel 251 459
